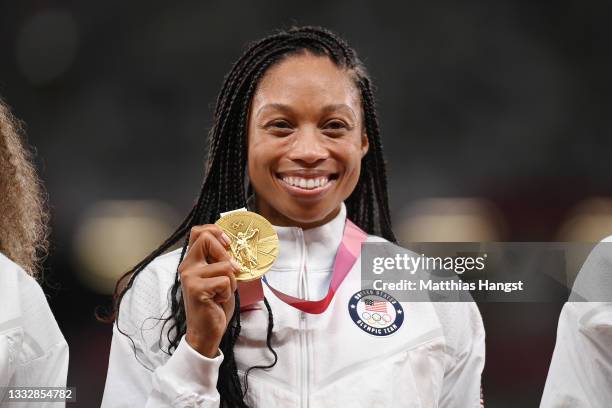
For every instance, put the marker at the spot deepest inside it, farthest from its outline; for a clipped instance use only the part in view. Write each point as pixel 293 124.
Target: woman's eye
pixel 279 128
pixel 335 125
pixel 280 124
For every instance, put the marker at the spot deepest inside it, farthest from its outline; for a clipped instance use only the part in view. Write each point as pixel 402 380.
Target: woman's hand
pixel 208 282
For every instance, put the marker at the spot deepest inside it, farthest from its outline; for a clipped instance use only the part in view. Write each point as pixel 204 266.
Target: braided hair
pixel 367 206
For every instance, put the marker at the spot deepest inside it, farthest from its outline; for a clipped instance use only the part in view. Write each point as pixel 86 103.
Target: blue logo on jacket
pixel 376 312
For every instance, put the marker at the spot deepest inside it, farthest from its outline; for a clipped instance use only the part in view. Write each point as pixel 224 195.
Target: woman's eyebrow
pixel 339 107
pixel 275 106
pixel 287 109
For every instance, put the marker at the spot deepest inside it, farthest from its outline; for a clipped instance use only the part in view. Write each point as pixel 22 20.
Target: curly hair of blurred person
pixel 23 212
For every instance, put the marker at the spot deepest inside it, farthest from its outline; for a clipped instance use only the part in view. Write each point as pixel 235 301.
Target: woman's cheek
pixel 353 165
pixel 349 154
pixel 350 144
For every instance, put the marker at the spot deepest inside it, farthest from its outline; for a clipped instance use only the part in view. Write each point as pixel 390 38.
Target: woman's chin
pixel 309 216
pixel 287 206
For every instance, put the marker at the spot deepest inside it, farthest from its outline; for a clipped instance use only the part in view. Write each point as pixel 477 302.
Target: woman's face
pixel 305 139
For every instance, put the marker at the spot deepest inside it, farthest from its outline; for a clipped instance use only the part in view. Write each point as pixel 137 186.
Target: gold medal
pixel 254 242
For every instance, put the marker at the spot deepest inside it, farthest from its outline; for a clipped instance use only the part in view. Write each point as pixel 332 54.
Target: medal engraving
pixel 254 242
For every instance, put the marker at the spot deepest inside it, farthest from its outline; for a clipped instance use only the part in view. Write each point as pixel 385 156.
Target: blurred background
pixel 494 121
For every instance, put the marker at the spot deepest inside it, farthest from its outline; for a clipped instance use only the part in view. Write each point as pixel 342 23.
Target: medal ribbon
pixel 348 252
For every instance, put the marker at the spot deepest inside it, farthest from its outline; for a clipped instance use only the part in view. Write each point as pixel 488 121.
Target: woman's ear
pixel 365 144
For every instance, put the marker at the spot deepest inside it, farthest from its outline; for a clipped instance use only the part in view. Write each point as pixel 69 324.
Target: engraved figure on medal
pixel 254 242
pixel 244 249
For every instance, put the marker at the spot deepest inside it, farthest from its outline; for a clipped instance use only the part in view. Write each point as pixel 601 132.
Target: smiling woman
pixel 306 141
pixel 295 139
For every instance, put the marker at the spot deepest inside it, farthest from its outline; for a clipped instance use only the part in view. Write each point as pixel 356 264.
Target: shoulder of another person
pixel 11 276
pixel 10 270
pixel 26 313
pixel 15 280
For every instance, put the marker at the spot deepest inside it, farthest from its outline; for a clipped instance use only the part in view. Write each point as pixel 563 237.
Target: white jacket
pixel 580 373
pixel 33 352
pixel 435 359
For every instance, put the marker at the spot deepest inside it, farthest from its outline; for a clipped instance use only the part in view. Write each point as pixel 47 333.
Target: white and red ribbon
pixel 252 292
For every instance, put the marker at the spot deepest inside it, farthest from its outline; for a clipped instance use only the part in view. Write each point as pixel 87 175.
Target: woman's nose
pixel 309 146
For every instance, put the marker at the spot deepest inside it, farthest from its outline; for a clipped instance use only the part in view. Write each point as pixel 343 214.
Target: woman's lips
pixel 306 187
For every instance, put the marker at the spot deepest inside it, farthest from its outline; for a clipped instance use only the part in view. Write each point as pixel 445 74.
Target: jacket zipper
pixel 302 293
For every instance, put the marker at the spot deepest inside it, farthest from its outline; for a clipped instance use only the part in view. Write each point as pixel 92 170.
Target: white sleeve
pixel 140 373
pixel 580 373
pixel 187 379
pixel 465 335
pixel 33 351
pixel 49 370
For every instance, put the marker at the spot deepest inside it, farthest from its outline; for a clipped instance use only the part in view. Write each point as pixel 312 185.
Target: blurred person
pixel 33 352
pixel 296 139
pixel 580 373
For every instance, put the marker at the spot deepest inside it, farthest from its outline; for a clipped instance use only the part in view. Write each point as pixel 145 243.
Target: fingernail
pixel 235 264
pixel 226 238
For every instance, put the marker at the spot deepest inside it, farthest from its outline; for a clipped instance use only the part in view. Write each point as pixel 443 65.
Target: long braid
pixel 223 188
pixel 377 160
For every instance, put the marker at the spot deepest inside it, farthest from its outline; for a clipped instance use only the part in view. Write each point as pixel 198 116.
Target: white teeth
pixel 308 184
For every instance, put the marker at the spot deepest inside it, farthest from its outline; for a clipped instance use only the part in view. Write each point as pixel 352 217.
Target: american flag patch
pixel 372 305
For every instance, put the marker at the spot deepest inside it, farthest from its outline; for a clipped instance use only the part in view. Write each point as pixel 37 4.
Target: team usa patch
pixel 376 312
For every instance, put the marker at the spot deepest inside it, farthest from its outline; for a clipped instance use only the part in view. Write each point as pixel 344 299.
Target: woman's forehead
pixel 306 79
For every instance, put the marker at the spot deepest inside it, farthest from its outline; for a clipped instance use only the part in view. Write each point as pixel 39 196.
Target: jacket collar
pixel 317 245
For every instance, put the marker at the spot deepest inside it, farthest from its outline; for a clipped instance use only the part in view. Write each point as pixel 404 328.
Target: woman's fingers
pixel 218 289
pixel 208 282
pixel 213 229
pixel 208 247
pixel 197 272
